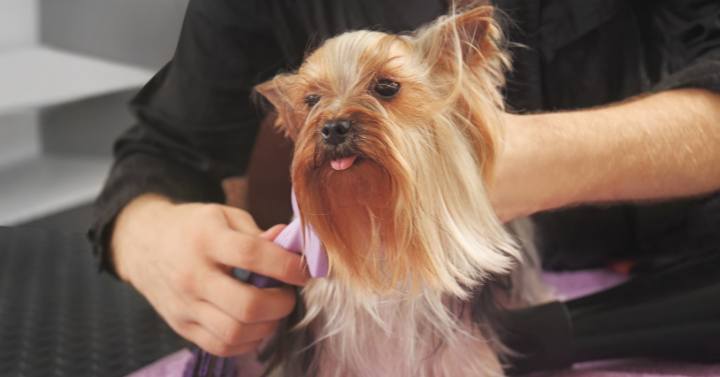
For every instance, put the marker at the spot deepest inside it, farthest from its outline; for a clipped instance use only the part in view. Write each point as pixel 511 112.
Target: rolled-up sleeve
pixel 196 122
pixel 687 43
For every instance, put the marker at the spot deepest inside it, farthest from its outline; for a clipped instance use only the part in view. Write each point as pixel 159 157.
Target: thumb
pixel 273 232
pixel 240 220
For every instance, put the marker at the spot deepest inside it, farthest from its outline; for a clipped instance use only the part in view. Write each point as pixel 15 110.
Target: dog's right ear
pixel 279 91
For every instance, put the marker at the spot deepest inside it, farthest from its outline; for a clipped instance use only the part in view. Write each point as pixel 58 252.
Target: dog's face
pixel 394 136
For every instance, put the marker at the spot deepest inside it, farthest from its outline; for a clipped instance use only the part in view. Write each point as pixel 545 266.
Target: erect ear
pixel 473 33
pixel 280 92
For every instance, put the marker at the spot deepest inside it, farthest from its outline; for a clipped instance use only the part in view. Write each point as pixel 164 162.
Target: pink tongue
pixel 342 163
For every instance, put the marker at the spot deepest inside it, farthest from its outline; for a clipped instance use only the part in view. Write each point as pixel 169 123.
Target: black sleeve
pixel 196 123
pixel 687 43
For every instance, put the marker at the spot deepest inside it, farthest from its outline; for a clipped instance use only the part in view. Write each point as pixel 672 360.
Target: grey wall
pixel 18 25
pixel 19 137
pixel 139 32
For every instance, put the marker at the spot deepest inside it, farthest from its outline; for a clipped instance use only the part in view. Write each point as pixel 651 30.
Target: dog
pixel 395 141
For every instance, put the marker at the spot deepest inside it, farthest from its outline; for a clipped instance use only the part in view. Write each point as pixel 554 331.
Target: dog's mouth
pixel 342 157
pixel 343 163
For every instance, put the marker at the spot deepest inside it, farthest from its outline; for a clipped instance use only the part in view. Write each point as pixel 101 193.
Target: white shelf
pixel 44 185
pixel 32 77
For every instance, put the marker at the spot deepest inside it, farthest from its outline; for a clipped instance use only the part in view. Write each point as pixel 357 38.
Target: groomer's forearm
pixel 661 146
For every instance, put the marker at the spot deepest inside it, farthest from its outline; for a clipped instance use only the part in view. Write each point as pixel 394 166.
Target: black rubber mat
pixel 60 317
pixel 75 219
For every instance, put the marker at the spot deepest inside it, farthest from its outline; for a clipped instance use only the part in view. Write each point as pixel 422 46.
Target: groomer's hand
pixel 180 256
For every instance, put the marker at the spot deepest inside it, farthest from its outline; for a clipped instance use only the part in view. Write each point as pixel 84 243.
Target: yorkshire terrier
pixel 395 140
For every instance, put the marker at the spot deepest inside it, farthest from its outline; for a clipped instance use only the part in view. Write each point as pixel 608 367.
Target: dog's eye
pixel 312 100
pixel 385 88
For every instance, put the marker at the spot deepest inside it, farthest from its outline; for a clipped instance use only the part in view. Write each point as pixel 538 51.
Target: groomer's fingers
pixel 229 330
pixel 258 255
pixel 179 316
pixel 210 343
pixel 246 303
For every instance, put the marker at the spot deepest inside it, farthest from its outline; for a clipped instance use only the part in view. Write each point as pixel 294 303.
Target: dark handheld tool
pixel 669 314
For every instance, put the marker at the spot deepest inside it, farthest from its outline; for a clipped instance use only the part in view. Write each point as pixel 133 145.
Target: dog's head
pixel 395 137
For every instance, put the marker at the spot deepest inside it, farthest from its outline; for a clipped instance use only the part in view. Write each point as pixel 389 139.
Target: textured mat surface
pixel 59 317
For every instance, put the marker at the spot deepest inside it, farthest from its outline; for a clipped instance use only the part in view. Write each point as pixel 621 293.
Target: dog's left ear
pixel 279 92
pixel 473 33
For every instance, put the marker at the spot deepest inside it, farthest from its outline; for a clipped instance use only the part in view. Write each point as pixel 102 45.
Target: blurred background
pixel 67 71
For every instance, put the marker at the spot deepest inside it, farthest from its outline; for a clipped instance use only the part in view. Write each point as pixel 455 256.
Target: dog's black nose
pixel 335 132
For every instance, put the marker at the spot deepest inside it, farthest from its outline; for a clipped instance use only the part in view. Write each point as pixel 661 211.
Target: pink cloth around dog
pixel 291 239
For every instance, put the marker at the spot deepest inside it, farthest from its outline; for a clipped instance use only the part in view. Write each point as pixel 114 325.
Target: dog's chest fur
pixel 396 335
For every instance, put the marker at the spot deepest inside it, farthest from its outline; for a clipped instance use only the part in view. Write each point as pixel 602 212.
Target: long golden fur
pixel 410 233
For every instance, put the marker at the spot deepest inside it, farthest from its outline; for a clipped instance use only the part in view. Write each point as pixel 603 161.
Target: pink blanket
pixel 568 285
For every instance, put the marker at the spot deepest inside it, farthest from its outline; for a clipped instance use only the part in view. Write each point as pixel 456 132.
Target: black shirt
pixel 197 124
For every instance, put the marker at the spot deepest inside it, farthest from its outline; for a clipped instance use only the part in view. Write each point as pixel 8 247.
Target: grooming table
pixel 60 317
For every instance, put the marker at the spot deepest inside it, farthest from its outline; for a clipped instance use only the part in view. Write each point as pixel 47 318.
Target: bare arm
pixel 661 146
